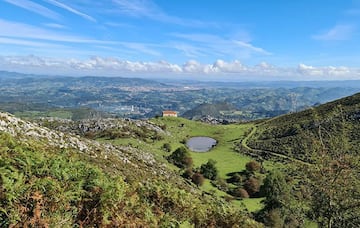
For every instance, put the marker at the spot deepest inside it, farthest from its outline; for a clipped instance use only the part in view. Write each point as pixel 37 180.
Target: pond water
pixel 200 144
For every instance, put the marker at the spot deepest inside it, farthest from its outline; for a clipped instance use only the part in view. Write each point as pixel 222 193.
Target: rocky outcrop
pixel 133 157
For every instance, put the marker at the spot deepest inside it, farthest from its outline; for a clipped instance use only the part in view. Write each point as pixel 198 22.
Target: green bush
pixel 181 158
pixel 209 170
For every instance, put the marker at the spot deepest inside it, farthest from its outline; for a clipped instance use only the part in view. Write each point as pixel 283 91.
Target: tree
pixel 209 170
pixel 181 158
pixel 334 175
pixel 198 179
pixel 276 190
pixel 240 192
pixel 335 185
pixel 253 166
pixel 282 208
pixel 252 186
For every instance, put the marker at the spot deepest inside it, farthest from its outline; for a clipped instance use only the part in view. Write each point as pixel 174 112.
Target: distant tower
pixel 293 99
pixel 132 108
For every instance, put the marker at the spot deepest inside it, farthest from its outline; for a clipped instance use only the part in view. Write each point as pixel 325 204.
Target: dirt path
pixel 256 151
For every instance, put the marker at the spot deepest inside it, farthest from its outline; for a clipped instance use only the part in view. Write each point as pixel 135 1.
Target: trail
pixel 257 151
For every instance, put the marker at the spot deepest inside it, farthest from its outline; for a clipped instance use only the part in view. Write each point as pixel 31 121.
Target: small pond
pixel 200 144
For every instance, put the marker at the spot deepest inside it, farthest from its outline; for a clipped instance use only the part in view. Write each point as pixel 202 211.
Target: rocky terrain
pixel 30 131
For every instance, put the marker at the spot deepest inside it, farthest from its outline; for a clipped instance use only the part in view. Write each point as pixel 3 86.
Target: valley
pixel 89 97
pixel 179 114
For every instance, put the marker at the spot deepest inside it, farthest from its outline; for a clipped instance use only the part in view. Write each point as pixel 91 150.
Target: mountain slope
pixel 321 146
pixel 213 110
pixel 49 178
pixel 293 134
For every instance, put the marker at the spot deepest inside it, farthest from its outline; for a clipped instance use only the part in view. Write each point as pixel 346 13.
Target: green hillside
pixel 52 179
pixel 321 149
pixel 295 170
pixel 293 134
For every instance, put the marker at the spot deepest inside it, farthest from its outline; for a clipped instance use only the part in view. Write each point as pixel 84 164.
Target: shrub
pixel 236 179
pixel 181 158
pixel 252 186
pixel 253 166
pixel 240 192
pixel 198 179
pixel 220 184
pixel 209 170
pixel 188 173
pixel 274 219
pixel 167 147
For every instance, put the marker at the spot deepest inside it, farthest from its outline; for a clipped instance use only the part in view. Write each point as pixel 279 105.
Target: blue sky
pixel 202 39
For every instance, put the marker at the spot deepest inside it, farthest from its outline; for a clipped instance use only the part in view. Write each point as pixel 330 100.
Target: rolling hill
pixel 214 110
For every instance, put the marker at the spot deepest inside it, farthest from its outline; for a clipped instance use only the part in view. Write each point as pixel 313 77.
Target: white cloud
pixel 70 9
pixel 219 70
pixel 338 32
pixel 328 71
pixel 34 7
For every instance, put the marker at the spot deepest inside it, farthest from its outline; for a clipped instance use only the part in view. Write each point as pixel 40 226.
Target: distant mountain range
pixel 214 110
pixel 142 98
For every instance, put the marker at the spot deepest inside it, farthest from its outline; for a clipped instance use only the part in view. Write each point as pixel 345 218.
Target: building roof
pixel 169 112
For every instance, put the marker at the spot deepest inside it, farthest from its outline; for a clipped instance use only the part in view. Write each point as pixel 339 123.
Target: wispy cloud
pixel 72 10
pixel 141 47
pixel 338 32
pixel 32 36
pixel 210 44
pixel 54 25
pixel 118 25
pixel 25 31
pixel 28 43
pixel 148 9
pixel 252 47
pixel 35 8
pixel 138 8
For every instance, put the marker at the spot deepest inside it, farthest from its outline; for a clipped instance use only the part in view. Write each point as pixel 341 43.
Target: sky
pixel 191 39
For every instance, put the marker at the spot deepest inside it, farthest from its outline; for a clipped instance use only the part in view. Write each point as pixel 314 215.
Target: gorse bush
pixel 40 187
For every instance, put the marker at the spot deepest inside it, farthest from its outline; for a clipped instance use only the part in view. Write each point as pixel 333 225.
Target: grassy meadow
pixel 227 160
